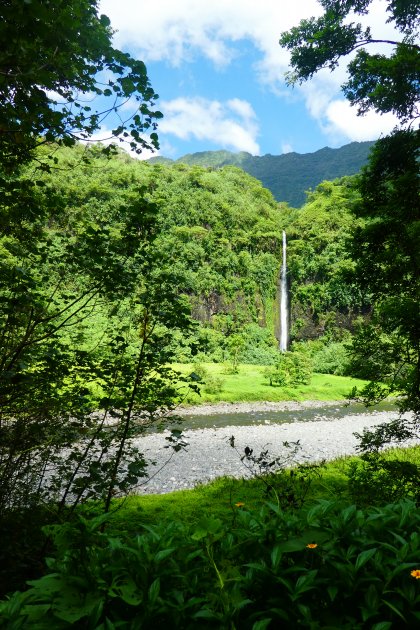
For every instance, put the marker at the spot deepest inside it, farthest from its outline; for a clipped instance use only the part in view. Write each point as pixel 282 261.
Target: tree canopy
pixel 61 77
pixel 384 83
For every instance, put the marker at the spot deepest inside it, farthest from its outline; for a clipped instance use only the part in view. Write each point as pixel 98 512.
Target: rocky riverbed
pixel 209 453
pixel 252 407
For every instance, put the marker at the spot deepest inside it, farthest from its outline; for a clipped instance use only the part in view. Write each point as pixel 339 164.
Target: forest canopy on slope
pixel 288 176
pixel 218 235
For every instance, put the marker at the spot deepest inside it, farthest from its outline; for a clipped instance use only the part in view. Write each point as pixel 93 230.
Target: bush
pixel 326 567
pixel 260 346
pixel 332 359
pixel 210 384
pixel 375 479
pixel 209 345
pixel 213 384
pixel 199 372
pixel 23 546
pixel 292 368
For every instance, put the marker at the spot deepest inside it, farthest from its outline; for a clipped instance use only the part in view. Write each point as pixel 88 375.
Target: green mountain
pixel 288 176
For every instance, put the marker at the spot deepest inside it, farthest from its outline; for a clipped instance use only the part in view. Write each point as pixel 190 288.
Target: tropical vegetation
pixel 122 284
pixel 289 176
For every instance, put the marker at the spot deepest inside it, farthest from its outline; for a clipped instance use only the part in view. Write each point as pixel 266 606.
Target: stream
pixel 330 411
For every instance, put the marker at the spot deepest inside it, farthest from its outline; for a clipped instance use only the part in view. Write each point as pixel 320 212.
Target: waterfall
pixel 284 306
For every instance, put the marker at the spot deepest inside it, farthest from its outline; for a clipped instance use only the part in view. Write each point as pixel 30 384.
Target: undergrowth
pixel 329 566
pixel 291 550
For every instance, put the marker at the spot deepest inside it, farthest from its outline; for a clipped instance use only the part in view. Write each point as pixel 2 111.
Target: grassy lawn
pixel 251 385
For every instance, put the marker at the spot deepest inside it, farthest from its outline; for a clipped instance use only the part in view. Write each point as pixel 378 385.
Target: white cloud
pixel 231 125
pixel 242 108
pixel 104 136
pixel 342 119
pixel 286 147
pixel 180 32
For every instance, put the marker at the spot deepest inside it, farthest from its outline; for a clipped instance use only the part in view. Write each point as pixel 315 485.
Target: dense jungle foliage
pixel 217 234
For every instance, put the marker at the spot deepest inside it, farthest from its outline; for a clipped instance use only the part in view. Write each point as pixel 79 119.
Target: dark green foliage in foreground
pixel 329 566
pixel 287 176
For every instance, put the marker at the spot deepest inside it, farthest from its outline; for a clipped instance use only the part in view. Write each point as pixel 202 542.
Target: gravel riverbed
pixel 209 454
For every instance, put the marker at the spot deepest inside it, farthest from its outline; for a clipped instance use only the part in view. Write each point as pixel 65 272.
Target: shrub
pixel 375 479
pixel 209 345
pixel 210 384
pixel 326 567
pixel 230 368
pixel 292 368
pixel 213 384
pixel 260 346
pixel 199 372
pixel 332 359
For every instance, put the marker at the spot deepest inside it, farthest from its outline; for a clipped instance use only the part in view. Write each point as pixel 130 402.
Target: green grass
pixel 219 497
pixel 250 385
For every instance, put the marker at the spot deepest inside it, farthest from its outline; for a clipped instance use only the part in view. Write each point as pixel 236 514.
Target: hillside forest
pixel 213 235
pixel 288 176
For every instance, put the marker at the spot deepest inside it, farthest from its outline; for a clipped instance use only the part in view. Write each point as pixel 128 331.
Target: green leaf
pixel 296 544
pixel 207 526
pixel 154 590
pixel 348 513
pixel 364 557
pixel 129 592
pixel 306 582
pixel 35 612
pixel 396 611
pixel 205 614
pixel 406 511
pixel 262 624
pixel 164 553
pixel 332 592
pixel 372 598
pixel 276 555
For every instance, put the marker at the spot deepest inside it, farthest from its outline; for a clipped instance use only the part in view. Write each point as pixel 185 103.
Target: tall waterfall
pixel 284 305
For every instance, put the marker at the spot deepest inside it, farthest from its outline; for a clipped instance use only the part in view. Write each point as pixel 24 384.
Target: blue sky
pixel 219 71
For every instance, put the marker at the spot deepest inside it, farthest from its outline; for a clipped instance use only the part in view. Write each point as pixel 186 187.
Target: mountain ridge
pixel 290 175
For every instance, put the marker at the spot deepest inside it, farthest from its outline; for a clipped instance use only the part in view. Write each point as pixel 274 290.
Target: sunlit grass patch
pixel 251 385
